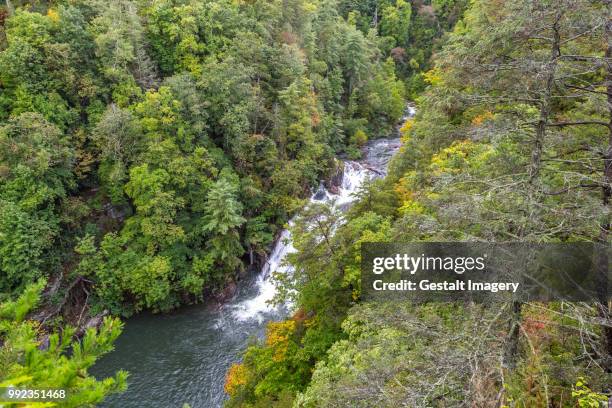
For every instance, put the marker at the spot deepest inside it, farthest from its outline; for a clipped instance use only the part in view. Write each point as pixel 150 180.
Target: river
pixel 182 357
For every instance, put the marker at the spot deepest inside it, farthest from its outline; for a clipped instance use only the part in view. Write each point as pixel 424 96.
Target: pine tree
pixel 60 362
pixel 221 220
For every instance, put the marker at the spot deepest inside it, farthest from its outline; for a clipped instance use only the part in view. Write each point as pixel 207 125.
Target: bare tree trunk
pixel 604 303
pixel 546 103
pixel 512 341
pixel 375 17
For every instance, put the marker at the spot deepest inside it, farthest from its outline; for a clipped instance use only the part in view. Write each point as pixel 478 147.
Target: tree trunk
pixel 604 302
pixel 546 103
pixel 9 7
pixel 512 342
pixel 375 22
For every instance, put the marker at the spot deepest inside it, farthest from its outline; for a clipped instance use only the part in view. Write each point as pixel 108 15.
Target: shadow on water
pixel 181 357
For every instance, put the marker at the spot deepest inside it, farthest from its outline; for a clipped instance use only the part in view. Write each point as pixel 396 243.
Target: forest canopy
pixel 152 151
pixel 171 139
pixel 511 142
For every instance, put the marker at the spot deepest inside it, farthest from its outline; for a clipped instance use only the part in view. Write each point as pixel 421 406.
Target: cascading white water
pixel 354 175
pixel 191 350
pixel 256 307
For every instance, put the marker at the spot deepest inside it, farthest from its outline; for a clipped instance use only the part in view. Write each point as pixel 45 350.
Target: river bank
pixel 182 357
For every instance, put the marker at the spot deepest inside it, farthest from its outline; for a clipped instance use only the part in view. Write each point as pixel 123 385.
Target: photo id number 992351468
pixel 22 394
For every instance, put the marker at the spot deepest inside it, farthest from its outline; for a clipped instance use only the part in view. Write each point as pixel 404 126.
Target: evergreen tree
pixel 58 363
pixel 221 220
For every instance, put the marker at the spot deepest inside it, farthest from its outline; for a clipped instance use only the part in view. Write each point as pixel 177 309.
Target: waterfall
pixel 257 307
pixel 354 175
pixel 377 155
pixel 191 350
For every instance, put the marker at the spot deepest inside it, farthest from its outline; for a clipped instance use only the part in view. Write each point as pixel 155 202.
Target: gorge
pixel 183 357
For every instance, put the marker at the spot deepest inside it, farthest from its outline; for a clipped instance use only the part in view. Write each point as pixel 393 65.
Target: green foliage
pixel 408 30
pixel 63 362
pixel 326 283
pixel 392 355
pixel 395 21
pixel 222 218
pixel 272 373
pixel 119 138
pixel 165 139
pixel 36 171
pixel 586 397
pixel 148 146
pixel 500 150
pixel 119 38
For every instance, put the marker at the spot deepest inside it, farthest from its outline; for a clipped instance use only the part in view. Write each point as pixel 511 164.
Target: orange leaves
pixel 3 16
pixel 315 118
pixel 300 316
pixel 537 326
pixel 533 327
pixel 237 376
pixel 288 37
pixel 279 332
pixel 403 189
pixel 480 119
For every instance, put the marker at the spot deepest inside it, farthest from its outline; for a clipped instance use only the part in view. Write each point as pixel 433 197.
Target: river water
pixel 182 357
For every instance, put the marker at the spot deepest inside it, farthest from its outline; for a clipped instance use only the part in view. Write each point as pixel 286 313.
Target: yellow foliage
pixel 433 77
pixel 452 159
pixel 237 376
pixel 405 186
pixel 279 332
pixel 309 7
pixel 402 192
pixel 411 207
pixel 360 138
pixel 405 190
pixel 405 130
pixel 431 195
pixel 277 337
pixel 53 15
pixel 462 157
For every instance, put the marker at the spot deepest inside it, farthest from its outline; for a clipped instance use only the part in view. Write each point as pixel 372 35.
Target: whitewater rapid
pixel 377 155
pixel 353 177
pixel 183 357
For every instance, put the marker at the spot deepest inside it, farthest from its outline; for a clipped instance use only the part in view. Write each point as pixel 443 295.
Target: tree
pixel 156 209
pixel 524 66
pixel 395 21
pixel 59 362
pixel 221 220
pixel 30 141
pixel 119 138
pixel 36 171
pixel 121 46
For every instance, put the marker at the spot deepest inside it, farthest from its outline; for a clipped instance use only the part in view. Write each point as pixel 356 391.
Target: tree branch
pixel 579 122
pixel 582 88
